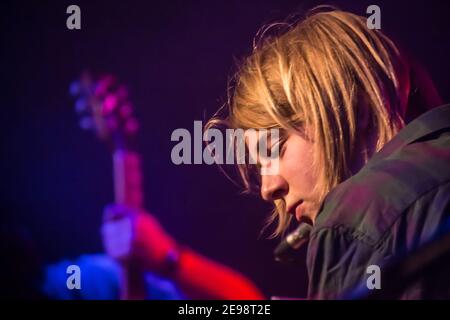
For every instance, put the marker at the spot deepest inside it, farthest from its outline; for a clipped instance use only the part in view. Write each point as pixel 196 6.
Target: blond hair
pixel 314 73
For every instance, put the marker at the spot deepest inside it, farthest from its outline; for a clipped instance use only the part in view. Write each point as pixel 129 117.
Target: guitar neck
pixel 105 109
pixel 128 178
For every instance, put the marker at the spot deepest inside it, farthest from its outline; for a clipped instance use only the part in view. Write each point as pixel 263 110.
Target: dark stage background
pixel 175 57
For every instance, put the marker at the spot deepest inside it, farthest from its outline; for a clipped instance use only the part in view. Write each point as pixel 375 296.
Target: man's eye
pixel 281 145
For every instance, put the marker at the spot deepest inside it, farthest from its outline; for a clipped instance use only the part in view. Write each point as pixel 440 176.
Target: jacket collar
pixel 431 121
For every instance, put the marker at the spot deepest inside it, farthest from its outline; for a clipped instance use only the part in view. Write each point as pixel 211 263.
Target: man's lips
pixel 296 209
pixel 299 212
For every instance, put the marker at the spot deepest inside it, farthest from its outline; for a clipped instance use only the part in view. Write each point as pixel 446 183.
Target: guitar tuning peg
pixel 81 105
pixel 125 111
pixel 87 123
pixel 101 89
pixel 131 126
pixel 109 104
pixel 103 85
pixel 75 88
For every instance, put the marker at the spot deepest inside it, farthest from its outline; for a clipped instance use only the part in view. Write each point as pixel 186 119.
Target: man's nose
pixel 273 187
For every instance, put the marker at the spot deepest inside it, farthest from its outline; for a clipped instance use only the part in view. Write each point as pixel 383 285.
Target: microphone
pixel 285 251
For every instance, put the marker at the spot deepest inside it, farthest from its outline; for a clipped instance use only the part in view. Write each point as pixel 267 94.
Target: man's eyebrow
pixel 281 135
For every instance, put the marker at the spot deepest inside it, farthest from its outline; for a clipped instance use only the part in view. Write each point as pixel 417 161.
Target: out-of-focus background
pixel 176 57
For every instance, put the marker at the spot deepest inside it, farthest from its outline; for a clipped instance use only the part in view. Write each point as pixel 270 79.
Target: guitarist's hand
pixel 130 234
pixel 137 235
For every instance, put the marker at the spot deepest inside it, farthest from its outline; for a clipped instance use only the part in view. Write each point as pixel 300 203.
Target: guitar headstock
pixel 104 108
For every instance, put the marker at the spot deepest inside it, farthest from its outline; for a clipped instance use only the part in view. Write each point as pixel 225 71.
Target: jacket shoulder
pixel 371 201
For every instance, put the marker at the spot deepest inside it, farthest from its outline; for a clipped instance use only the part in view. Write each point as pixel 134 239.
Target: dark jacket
pixel 393 206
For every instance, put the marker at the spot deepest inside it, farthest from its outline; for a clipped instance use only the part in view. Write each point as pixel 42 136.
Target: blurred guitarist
pixel 143 261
